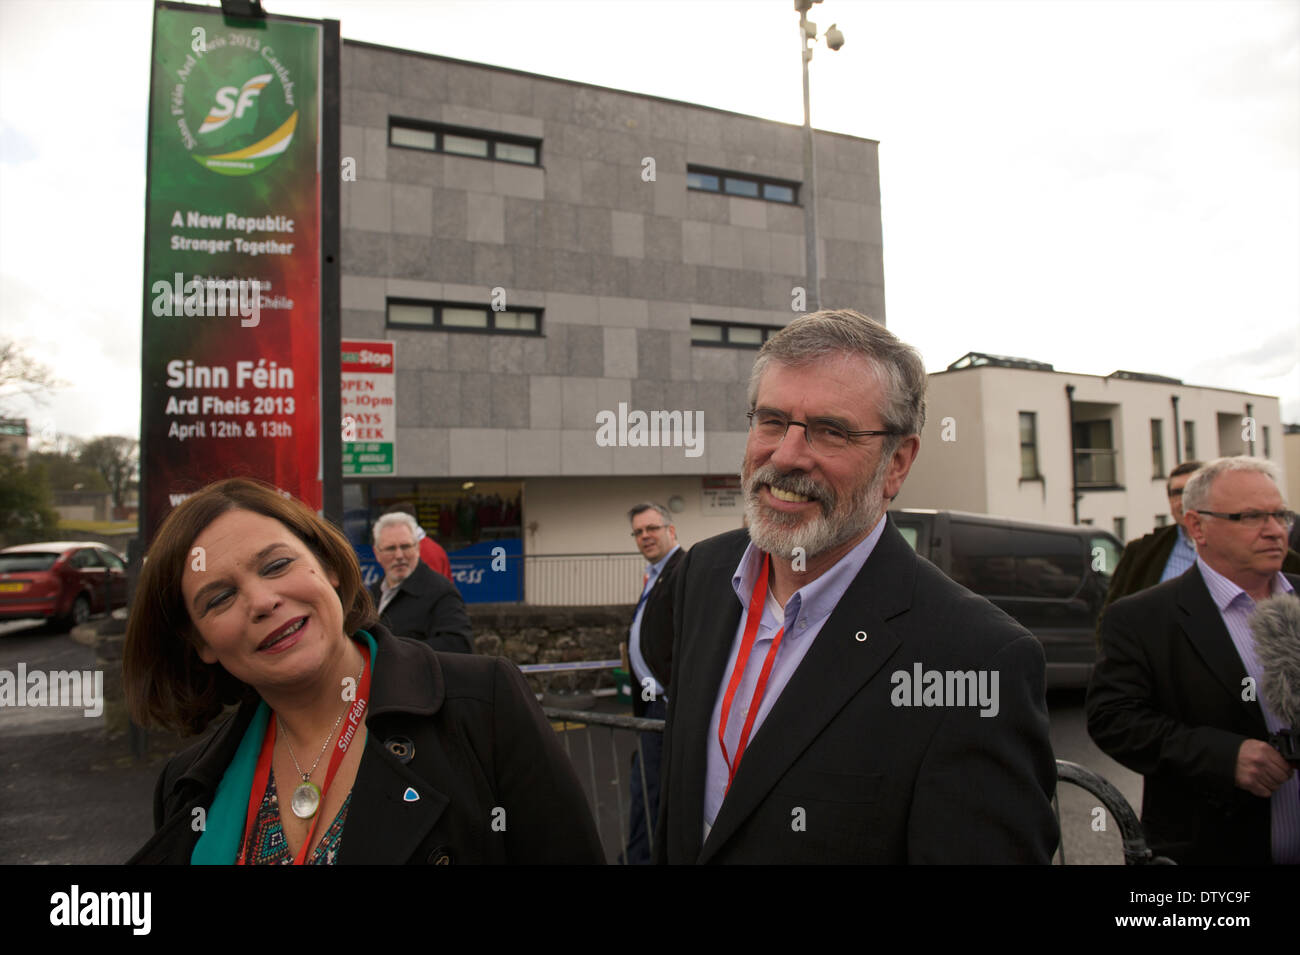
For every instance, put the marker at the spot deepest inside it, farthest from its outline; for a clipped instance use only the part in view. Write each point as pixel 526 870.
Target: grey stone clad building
pixel 545 252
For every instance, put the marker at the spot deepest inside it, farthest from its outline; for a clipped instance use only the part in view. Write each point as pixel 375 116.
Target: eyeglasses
pixel 1176 492
pixel 390 551
pixel 823 436
pixel 649 529
pixel 1256 519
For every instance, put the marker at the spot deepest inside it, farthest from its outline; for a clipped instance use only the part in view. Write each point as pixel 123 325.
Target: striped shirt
pixel 1181 557
pixel 1235 607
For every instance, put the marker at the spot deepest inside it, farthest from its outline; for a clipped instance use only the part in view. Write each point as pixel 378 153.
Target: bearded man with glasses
pixel 413 600
pixel 788 737
pixel 1173 696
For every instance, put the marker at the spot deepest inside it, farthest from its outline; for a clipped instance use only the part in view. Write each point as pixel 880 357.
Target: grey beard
pixel 779 534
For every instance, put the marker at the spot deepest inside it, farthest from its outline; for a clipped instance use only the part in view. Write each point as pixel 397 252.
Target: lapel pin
pixel 861 636
pixel 410 795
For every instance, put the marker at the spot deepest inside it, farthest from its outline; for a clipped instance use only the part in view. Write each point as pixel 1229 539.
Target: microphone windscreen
pixel 1276 625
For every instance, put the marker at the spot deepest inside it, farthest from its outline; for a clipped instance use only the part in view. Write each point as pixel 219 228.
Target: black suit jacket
pixel 1166 701
pixel 657 628
pixel 428 607
pixel 876 782
pixel 473 739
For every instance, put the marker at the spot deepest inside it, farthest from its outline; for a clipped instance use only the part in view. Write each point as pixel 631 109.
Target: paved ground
pixel 71 793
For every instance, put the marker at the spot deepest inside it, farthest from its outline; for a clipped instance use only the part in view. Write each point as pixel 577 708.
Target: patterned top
pixel 267 845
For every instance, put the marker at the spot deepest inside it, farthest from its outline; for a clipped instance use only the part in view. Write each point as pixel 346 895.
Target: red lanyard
pixel 351 723
pixel 755 615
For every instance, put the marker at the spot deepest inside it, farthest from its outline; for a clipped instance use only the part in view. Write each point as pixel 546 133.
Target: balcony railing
pixel 1095 467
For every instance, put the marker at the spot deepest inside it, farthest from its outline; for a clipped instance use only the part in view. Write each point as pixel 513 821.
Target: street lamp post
pixel 807 38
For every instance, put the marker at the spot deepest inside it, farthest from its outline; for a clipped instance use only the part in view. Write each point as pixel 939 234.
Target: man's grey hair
pixel 830 332
pixel 1196 493
pixel 395 519
pixel 651 506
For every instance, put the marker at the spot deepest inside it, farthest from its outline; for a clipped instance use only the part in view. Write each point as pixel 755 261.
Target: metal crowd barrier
pixel 1136 851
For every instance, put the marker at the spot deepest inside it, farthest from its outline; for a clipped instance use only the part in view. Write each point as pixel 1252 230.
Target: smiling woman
pixel 248 597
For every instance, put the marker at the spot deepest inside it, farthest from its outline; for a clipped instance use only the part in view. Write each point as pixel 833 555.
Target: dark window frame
pixel 1032 444
pixel 1157 448
pixel 491 137
pixel 761 182
pixel 438 305
pixel 767 332
pixel 1189 440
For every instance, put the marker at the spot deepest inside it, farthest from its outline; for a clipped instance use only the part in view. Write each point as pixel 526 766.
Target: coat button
pixel 440 856
pixel 401 747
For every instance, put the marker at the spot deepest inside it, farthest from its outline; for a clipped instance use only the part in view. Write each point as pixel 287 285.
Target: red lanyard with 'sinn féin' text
pixel 260 778
pixel 756 603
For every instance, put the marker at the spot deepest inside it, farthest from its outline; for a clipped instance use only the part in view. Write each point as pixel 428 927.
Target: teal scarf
pixel 224 827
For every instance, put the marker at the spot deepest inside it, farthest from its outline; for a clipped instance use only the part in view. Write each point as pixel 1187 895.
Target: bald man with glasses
pixel 1173 694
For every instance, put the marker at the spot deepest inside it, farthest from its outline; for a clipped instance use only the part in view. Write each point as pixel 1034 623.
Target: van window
pixel 982 558
pixel 1104 556
pixel 909 533
pixel 1047 564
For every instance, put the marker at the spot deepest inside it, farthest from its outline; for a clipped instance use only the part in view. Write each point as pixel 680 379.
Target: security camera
pixel 834 38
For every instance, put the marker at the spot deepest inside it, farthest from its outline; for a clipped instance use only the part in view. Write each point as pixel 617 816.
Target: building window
pixel 1119 528
pixel 730 334
pixel 460 141
pixel 1029 446
pixel 1162 520
pixel 1189 440
pixel 460 317
pixel 1096 460
pixel 703 179
pixel 1268 445
pixel 1157 448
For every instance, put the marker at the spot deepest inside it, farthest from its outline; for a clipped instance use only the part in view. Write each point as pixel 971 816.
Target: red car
pixel 61 581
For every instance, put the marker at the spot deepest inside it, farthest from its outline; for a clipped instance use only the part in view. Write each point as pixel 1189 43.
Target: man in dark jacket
pixel 656 538
pixel 412 600
pixel 1163 554
pixel 1167 552
pixel 1173 693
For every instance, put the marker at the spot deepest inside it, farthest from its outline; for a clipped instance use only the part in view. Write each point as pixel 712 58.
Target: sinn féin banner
pixel 231 354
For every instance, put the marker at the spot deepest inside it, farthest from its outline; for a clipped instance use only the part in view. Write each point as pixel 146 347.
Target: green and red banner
pixel 369 405
pixel 232 318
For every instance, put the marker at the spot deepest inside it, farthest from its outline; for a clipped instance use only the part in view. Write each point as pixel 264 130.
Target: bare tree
pixel 115 457
pixel 21 375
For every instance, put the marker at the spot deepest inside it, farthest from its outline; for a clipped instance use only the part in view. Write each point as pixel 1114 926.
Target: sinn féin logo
pixel 238 96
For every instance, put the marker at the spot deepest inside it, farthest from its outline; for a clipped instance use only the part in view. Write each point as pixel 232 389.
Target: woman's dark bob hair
pixel 165 681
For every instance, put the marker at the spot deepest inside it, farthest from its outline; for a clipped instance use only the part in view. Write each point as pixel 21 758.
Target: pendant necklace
pixel 306 795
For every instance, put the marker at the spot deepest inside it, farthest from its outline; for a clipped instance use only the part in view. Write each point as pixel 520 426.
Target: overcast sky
pixel 1098 185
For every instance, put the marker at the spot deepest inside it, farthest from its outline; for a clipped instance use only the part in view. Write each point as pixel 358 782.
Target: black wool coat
pixel 464 732
pixel 1166 701
pixel 428 607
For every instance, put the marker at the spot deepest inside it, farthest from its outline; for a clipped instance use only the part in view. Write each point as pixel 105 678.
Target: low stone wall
pixel 524 634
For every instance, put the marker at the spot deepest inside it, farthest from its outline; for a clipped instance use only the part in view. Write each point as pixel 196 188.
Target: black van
pixel 1050 577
